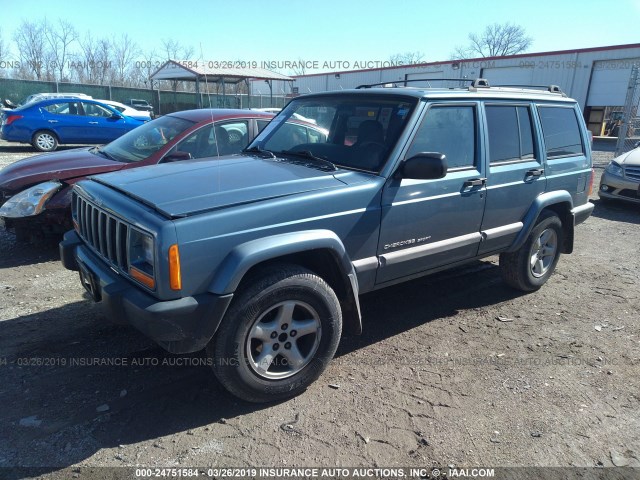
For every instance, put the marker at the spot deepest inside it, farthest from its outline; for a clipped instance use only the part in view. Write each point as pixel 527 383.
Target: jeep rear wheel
pixel 278 336
pixel 528 268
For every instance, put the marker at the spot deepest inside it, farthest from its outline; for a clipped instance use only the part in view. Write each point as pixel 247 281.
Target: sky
pixel 332 31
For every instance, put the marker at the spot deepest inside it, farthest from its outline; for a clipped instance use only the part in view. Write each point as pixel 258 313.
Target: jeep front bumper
pixel 180 326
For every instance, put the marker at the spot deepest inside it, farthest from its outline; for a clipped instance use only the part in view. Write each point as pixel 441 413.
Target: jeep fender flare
pixel 247 255
pixel 559 201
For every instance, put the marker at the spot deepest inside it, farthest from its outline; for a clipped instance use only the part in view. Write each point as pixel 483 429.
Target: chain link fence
pixel 163 101
pixel 629 122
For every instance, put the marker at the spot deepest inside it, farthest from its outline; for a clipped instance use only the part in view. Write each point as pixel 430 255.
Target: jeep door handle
pixel 536 172
pixel 53 121
pixel 93 123
pixel 475 182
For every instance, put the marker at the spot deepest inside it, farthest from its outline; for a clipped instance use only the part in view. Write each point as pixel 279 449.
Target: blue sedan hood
pixel 184 188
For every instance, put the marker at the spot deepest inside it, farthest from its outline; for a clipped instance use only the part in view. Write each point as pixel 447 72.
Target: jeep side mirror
pixel 115 116
pixel 424 166
pixel 177 156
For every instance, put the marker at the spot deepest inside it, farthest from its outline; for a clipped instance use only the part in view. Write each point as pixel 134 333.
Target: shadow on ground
pixel 617 211
pixel 14 253
pixel 60 366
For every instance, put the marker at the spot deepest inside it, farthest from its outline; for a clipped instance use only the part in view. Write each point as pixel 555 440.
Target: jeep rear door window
pixel 561 131
pixel 350 132
pixel 510 133
pixel 450 130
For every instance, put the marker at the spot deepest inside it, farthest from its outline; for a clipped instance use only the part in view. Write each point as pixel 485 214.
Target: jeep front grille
pixel 632 173
pixel 106 234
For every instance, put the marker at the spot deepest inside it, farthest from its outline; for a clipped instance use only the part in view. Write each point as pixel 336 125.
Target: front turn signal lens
pixel 175 279
pixel 143 277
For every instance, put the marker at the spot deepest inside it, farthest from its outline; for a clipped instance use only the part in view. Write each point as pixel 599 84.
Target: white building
pixel 596 77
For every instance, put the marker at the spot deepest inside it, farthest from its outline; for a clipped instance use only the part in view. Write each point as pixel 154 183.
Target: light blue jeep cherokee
pixel 260 257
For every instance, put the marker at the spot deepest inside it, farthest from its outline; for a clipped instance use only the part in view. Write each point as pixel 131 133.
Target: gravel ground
pixel 453 369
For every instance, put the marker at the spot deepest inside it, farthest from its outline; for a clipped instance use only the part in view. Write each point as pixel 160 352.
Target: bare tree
pixel 497 40
pixel 4 50
pixel 125 50
pixel 301 67
pixel 86 58
pixel 408 58
pixel 146 64
pixel 5 55
pixel 173 50
pixel 95 63
pixel 104 63
pixel 31 44
pixel 60 37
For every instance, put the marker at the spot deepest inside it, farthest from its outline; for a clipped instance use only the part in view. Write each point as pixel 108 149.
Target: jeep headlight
pixel 614 169
pixel 29 202
pixel 141 257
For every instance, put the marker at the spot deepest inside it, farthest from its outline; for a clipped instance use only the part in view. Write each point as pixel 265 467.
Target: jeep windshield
pixel 359 131
pixel 141 142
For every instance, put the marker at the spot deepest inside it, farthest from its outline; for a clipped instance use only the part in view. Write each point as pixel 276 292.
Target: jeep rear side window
pixel 450 130
pixel 510 133
pixel 561 132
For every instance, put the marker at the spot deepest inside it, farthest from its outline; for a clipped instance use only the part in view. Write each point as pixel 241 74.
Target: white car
pixel 36 97
pixel 126 110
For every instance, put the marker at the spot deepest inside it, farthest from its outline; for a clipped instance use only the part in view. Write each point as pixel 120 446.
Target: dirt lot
pixel 454 369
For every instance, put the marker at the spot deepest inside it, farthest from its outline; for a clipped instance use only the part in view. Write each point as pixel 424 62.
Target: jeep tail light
pixel 175 279
pixel 12 118
pixel 591 182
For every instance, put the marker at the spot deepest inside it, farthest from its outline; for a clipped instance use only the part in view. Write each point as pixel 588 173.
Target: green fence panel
pixel 18 90
pixel 163 101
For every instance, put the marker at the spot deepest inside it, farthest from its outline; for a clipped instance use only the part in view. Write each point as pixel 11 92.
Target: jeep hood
pixel 61 165
pixel 186 188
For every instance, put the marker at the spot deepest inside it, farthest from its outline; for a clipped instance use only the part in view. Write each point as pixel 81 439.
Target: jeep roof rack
pixel 394 83
pixel 549 88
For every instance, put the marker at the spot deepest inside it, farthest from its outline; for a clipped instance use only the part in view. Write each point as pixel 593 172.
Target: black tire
pixel 255 325
pixel 45 141
pixel 516 267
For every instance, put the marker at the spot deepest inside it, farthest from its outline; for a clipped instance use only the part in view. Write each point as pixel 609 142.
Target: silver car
pixel 621 178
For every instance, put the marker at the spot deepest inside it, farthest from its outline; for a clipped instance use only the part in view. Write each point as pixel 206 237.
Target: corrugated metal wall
pixel 575 72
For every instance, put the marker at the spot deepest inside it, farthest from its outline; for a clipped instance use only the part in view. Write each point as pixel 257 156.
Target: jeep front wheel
pixel 528 268
pixel 278 336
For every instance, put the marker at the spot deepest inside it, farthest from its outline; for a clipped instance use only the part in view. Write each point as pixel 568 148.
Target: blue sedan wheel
pixel 45 141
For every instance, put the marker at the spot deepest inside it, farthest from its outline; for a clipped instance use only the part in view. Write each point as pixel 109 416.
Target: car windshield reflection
pixel 141 143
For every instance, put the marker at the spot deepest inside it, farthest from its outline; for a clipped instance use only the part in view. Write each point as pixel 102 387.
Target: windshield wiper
pixel 256 149
pixel 104 154
pixel 307 155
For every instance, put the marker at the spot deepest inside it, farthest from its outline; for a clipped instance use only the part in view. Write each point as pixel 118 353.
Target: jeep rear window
pixel 561 131
pixel 350 131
